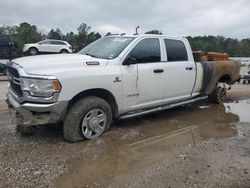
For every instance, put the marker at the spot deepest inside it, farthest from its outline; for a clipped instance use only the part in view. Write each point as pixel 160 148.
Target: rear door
pixel 56 46
pixel 180 71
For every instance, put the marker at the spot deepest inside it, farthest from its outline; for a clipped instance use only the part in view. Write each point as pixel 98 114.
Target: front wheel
pixel 87 118
pixel 33 51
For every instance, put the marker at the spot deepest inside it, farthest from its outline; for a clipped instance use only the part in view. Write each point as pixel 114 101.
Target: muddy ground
pixel 202 145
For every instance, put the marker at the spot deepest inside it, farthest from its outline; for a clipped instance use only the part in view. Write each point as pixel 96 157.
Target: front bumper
pixel 29 114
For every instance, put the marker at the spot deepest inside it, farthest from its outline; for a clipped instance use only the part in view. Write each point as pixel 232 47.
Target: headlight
pixel 40 87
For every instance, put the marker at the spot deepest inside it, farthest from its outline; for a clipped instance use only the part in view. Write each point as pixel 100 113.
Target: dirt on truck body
pixel 217 68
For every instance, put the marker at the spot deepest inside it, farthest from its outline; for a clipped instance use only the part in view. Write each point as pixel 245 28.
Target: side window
pixel 176 50
pixel 147 51
pixel 58 43
pixel 46 42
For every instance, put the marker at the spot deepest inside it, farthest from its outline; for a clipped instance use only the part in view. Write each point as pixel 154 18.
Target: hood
pixel 49 64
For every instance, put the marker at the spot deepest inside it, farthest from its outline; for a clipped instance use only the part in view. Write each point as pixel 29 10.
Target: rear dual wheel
pixel 87 118
pixel 218 95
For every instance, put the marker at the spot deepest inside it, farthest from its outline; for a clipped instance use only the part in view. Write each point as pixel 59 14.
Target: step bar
pixel 160 108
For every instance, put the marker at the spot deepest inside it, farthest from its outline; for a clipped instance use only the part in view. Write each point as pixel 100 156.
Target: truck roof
pixel 145 35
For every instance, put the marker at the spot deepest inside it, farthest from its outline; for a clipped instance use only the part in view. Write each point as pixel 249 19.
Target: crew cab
pixel 115 77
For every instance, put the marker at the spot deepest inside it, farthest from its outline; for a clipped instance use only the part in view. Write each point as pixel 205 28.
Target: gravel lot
pixel 202 145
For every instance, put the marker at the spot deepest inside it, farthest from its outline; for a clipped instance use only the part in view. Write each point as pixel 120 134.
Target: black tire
pixel 218 95
pixel 33 51
pixel 5 51
pixel 26 131
pixel 248 81
pixel 244 82
pixel 73 122
pixel 5 72
pixel 64 51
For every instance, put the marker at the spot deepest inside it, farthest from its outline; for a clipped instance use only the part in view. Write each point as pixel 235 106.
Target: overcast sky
pixel 172 17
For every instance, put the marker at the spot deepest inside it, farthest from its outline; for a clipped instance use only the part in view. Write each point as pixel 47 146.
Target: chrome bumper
pixel 37 114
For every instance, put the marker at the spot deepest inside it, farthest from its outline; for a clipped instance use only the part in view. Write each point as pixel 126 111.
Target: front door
pixel 144 81
pixel 45 46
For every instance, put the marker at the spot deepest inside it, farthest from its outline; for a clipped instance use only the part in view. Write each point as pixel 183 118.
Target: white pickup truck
pixel 115 77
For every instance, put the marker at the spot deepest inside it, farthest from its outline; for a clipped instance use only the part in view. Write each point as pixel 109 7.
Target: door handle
pixel 189 68
pixel 158 71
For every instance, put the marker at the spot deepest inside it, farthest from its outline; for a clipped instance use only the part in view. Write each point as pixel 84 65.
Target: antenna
pixel 136 30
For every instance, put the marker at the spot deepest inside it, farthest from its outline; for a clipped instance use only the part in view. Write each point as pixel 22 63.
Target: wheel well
pixel 33 47
pixel 102 93
pixel 64 50
pixel 225 79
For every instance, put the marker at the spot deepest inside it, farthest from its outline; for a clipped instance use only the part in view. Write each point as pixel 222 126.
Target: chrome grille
pixel 14 80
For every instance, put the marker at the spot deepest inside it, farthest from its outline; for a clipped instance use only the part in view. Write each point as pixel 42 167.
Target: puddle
pixel 240 108
pixel 135 144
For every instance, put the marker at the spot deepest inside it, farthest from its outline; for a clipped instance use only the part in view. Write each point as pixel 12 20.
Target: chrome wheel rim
pixel 94 123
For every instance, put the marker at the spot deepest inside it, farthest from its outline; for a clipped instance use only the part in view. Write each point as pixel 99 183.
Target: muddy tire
pixel 218 95
pixel 25 131
pixel 87 118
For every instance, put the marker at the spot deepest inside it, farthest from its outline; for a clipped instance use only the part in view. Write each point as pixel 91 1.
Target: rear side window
pixel 176 50
pixel 57 42
pixel 147 51
pixel 46 42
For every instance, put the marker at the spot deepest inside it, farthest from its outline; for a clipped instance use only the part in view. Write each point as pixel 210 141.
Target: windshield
pixel 107 47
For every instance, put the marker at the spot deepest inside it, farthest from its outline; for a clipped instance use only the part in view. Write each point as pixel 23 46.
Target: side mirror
pixel 130 61
pixel 39 43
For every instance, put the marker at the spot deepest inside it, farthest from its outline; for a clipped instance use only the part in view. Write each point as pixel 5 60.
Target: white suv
pixel 47 46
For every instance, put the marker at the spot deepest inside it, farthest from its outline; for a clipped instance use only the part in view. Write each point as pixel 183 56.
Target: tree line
pixel 234 47
pixel 27 33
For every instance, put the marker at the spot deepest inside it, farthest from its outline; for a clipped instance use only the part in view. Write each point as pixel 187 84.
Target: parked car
pixel 115 77
pixel 246 78
pixel 3 69
pixel 47 46
pixel 7 46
